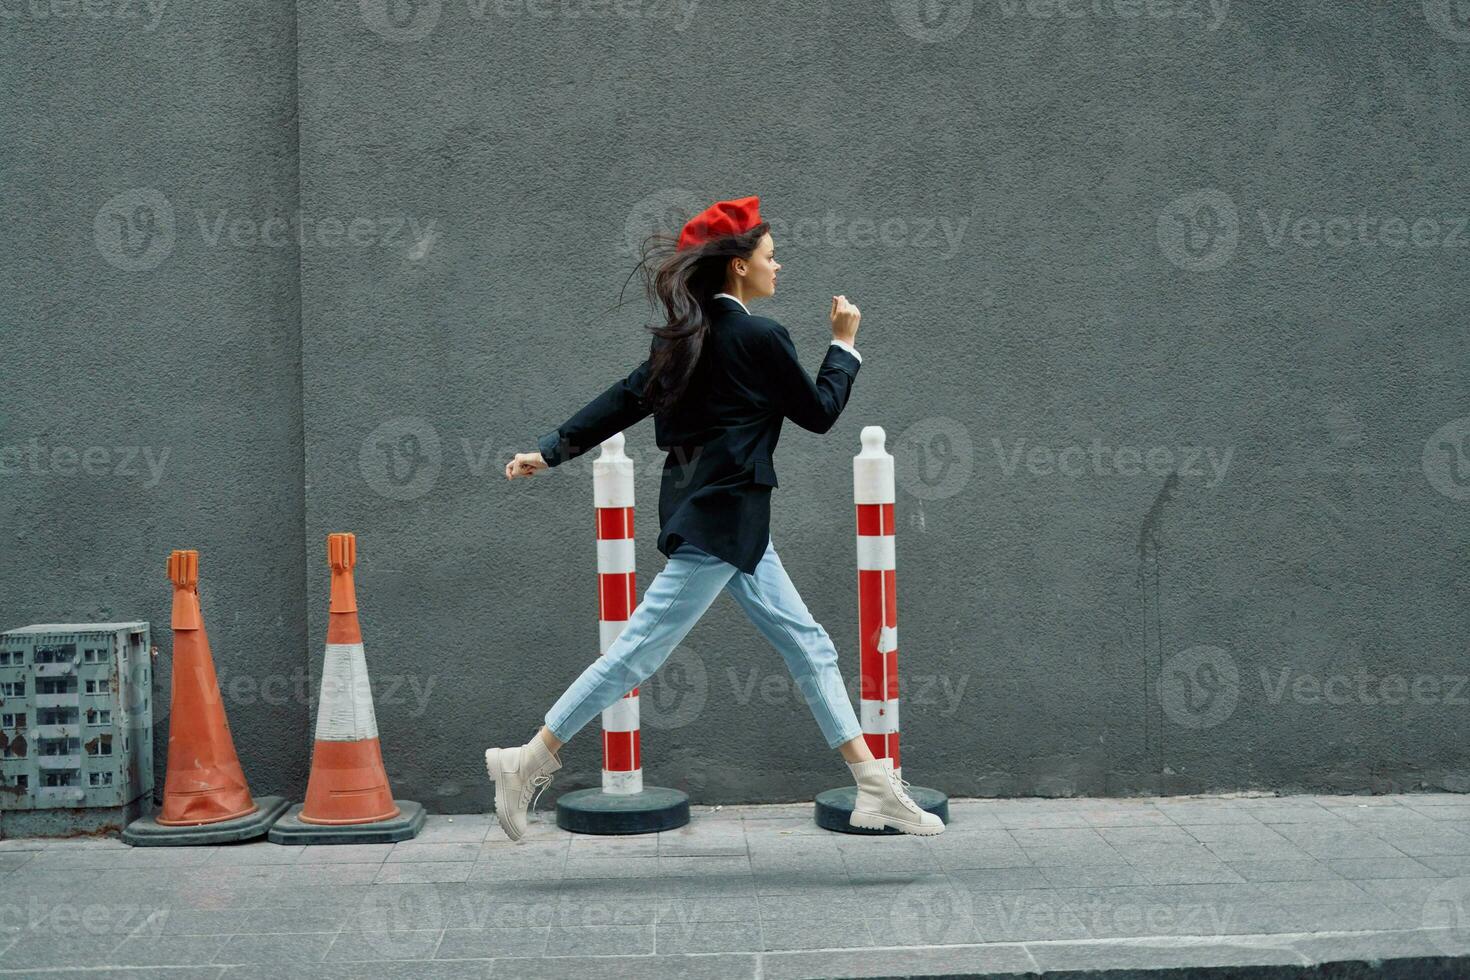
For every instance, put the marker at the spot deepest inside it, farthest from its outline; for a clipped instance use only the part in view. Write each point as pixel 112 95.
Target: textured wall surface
pixel 152 338
pixel 1162 314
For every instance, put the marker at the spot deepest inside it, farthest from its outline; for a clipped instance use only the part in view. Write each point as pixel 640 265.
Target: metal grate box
pixel 76 727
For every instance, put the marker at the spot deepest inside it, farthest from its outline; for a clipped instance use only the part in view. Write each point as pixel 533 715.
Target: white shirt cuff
pixel 849 348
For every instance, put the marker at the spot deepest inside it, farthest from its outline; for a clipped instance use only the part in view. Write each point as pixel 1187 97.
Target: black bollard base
pixel 591 811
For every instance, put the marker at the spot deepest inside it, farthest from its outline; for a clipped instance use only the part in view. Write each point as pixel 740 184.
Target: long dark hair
pixel 683 282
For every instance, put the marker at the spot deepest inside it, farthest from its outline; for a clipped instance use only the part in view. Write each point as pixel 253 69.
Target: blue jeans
pixel 673 603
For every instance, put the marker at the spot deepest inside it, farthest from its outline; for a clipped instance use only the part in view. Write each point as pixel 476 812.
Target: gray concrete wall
pixel 152 369
pixel 1160 316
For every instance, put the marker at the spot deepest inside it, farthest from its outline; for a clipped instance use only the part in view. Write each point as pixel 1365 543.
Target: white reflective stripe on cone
pixel 346 710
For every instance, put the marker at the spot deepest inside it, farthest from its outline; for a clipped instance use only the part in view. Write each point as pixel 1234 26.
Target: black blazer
pixel 715 492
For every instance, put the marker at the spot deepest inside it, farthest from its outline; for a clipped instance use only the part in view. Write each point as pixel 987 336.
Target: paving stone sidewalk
pixel 1011 887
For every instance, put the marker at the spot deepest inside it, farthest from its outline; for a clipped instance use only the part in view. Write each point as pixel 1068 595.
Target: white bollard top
pixel 872 469
pixel 612 447
pixel 873 438
pixel 612 474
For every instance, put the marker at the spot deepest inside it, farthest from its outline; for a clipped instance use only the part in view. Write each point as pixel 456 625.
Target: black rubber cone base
pixel 591 811
pixel 834 807
pixel 291 829
pixel 148 832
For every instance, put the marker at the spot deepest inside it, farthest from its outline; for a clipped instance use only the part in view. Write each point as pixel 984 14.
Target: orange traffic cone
pixel 206 799
pixel 348 800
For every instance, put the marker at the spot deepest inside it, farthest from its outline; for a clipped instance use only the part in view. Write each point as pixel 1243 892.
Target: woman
pixel 719 383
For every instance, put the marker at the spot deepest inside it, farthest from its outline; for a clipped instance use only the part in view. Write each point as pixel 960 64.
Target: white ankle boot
pixel 882 801
pixel 516 772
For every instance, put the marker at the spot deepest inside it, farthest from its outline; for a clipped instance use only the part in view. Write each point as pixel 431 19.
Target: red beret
pixel 719 219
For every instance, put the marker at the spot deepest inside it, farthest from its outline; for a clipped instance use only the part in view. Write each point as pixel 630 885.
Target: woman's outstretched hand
pixel 525 464
pixel 845 317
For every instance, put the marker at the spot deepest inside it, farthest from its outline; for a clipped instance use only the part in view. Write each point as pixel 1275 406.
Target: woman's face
pixel 759 278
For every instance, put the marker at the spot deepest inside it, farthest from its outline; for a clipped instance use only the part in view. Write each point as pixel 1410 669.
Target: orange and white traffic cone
pixel 348 799
pixel 206 799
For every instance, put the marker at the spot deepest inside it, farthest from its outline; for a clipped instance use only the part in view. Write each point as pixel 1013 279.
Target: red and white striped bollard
pixel 623 804
pixel 617 592
pixel 874 496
